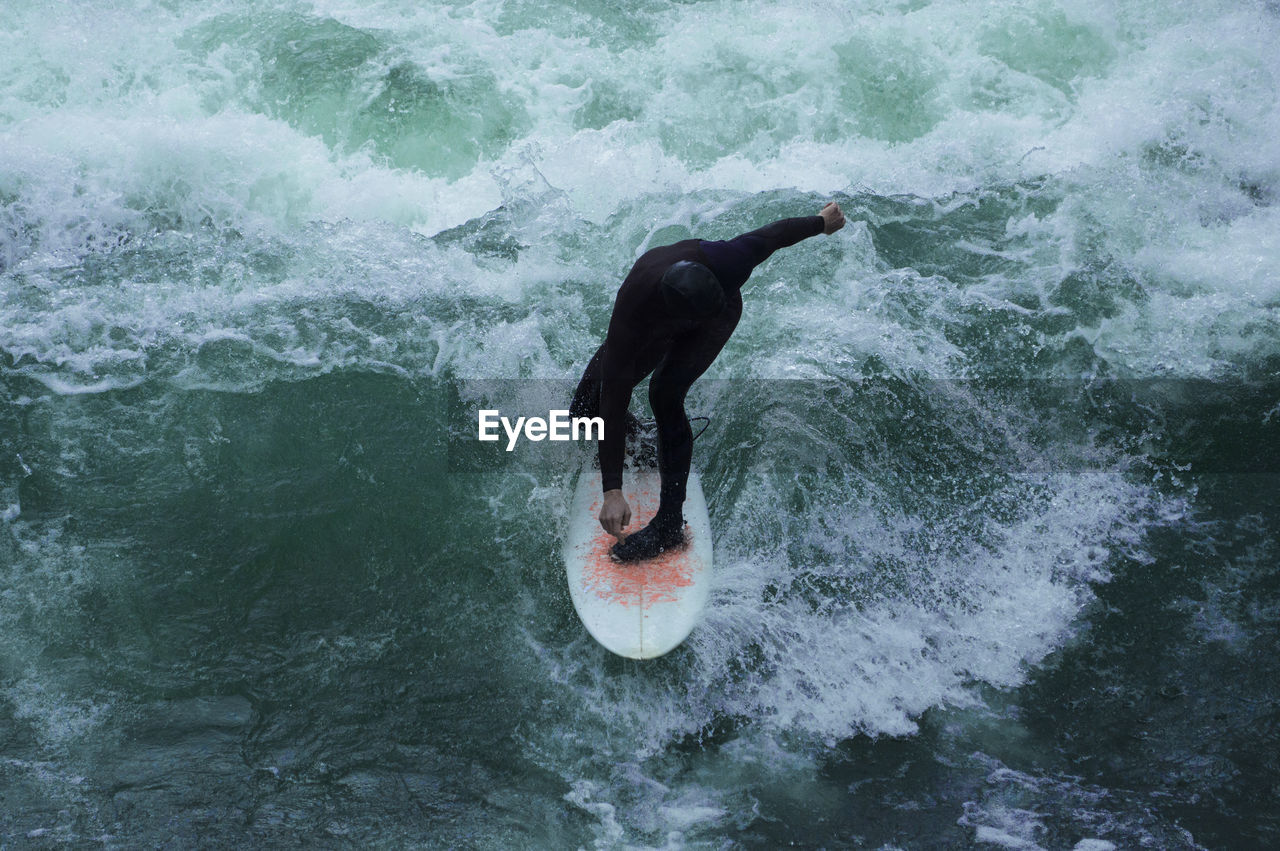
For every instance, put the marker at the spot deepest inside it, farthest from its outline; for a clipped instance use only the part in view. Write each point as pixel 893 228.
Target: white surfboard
pixel 639 609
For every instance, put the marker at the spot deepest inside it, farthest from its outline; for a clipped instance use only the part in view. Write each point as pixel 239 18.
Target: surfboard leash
pixel 651 425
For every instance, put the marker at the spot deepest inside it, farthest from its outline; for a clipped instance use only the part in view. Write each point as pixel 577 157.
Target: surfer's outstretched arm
pixel 733 260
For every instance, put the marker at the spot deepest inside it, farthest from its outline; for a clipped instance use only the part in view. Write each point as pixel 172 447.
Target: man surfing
pixel 674 312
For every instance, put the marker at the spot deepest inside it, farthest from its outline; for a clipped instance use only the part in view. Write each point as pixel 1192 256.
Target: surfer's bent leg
pixel 688 358
pixel 675 456
pixel 675 444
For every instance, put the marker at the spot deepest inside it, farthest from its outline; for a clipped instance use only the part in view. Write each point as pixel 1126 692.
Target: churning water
pixel 991 471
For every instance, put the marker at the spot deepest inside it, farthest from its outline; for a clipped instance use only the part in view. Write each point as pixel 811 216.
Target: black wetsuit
pixel 645 337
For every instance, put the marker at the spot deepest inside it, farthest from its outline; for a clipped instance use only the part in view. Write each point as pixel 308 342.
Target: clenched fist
pixel 832 218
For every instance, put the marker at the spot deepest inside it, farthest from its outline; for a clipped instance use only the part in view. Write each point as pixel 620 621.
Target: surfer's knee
pixel 667 400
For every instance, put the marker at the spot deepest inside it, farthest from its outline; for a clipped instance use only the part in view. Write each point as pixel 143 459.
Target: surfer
pixel 673 314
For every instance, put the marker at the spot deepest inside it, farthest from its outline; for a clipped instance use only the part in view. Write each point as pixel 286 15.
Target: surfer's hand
pixel 832 218
pixel 616 514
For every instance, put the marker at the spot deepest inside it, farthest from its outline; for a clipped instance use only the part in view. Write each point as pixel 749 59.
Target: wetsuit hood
pixel 692 291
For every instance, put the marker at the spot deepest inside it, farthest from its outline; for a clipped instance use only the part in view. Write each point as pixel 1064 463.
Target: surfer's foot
pixel 652 540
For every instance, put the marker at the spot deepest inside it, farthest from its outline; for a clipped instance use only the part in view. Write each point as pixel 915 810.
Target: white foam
pixel 59 719
pixel 1094 845
pixel 766 104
